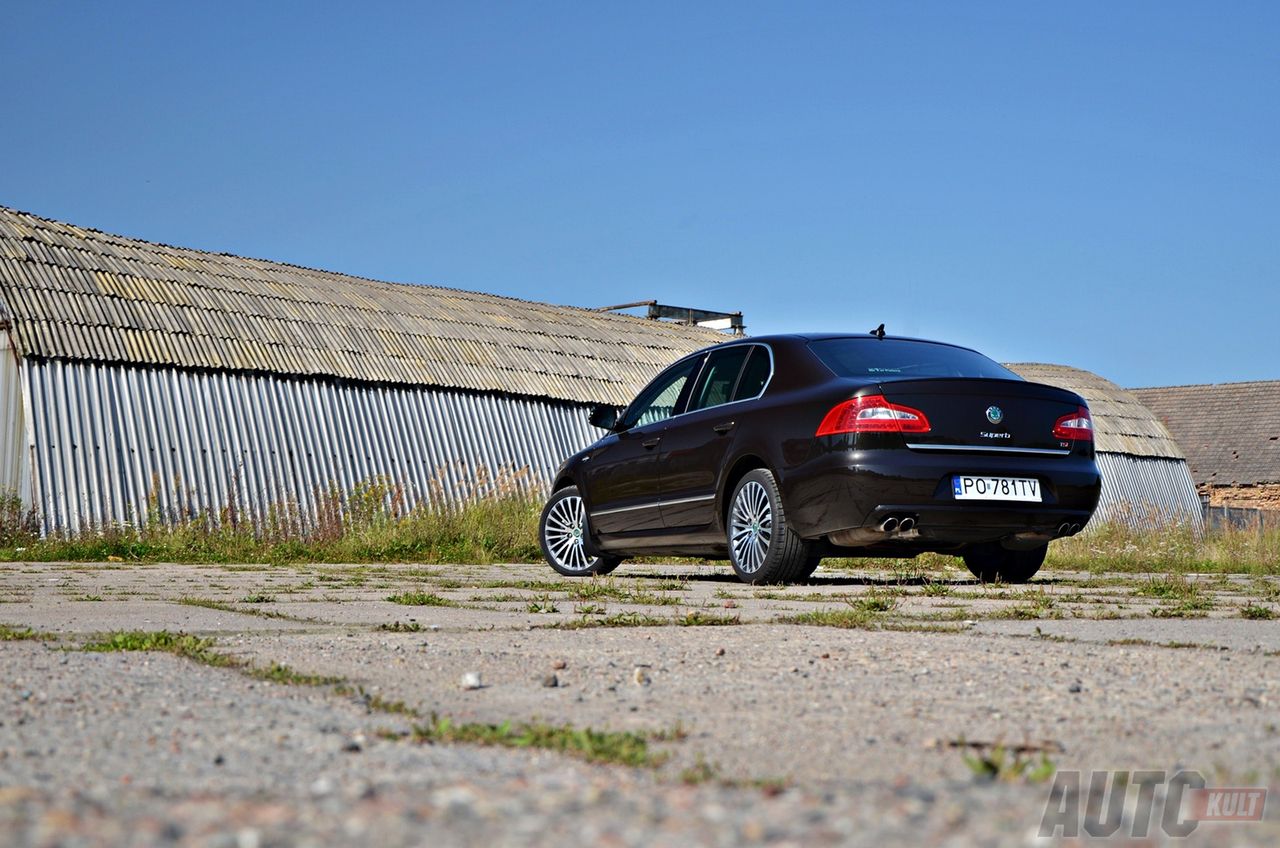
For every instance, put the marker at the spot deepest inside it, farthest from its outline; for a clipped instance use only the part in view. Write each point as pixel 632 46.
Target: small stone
pixel 559 664
pixel 114 558
pixel 352 747
pixel 826 656
pixel 550 681
pixel 1075 688
pixel 730 604
pixel 471 680
pixel 641 677
pixel 219 760
pixel 719 652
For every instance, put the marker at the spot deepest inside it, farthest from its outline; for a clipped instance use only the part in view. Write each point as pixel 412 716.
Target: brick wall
pixel 1266 496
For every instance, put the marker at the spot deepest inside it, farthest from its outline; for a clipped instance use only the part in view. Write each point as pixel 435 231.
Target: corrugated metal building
pixel 1145 478
pixel 144 380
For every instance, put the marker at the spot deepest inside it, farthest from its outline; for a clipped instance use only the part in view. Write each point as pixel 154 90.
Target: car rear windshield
pixel 896 359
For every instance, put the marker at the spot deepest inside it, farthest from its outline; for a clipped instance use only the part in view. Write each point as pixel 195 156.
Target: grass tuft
pixel 599 746
pixel 179 644
pixel 9 633
pixel 400 627
pixel 421 599
pixel 618 619
pixel 281 673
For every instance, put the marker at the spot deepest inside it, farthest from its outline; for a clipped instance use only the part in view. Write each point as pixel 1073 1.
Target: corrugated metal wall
pixel 108 439
pixel 1143 491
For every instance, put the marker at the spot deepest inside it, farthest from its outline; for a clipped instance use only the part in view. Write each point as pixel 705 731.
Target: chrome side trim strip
pixel 992 449
pixel 654 504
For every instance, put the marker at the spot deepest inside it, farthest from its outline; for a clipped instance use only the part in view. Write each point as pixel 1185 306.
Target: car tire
pixel 806 571
pixel 992 563
pixel 762 546
pixel 562 534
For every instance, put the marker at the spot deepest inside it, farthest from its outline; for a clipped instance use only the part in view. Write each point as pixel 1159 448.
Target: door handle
pixel 724 428
pixel 650 444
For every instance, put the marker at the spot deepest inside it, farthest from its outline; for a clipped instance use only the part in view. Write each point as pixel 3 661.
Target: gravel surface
pixel 790 734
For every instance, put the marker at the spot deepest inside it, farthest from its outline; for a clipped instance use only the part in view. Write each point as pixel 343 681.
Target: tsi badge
pixel 995 414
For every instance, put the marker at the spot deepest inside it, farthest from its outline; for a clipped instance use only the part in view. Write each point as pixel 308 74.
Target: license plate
pixel 969 488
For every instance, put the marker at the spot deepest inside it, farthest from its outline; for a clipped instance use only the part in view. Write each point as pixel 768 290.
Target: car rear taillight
pixel 1077 426
pixel 872 414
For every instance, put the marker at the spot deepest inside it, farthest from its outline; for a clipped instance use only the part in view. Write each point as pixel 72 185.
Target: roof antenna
pixel 878 332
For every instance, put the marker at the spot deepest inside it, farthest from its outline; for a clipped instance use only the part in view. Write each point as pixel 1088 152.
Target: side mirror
pixel 603 416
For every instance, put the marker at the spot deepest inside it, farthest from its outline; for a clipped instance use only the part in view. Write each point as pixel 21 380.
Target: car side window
pixel 658 401
pixel 755 374
pixel 719 377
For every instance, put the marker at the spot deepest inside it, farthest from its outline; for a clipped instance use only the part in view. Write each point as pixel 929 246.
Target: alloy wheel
pixel 751 527
pixel 564 531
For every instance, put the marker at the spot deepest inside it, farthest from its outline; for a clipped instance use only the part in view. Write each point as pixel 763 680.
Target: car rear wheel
pixel 810 566
pixel 562 534
pixel 762 546
pixel 991 563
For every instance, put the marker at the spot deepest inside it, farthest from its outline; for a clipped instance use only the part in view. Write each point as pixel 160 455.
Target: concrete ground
pixel 856 709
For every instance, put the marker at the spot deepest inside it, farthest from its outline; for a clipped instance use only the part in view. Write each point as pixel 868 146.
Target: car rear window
pixel 892 359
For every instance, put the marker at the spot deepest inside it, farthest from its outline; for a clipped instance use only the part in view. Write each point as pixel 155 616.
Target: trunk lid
pixel 970 414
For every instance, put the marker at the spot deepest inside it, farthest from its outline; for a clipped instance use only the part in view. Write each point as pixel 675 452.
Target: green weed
pixel 421 599
pixel 600 746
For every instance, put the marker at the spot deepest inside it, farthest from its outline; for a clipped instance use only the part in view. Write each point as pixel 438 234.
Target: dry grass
pixel 1175 548
pixel 368 524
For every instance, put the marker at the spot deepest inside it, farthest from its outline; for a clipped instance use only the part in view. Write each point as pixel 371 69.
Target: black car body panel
pixel 662 487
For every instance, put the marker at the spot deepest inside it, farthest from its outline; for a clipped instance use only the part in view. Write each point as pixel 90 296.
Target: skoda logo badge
pixel 995 414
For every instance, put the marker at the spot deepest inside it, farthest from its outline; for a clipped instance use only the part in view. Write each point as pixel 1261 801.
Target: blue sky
pixel 1089 183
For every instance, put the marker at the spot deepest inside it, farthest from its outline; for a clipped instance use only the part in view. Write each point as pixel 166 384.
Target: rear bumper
pixel 844 490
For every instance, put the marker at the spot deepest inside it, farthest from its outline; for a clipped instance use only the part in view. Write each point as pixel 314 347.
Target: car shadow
pixel 886 581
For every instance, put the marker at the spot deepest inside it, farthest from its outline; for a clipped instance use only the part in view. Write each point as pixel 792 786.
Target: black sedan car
pixel 776 451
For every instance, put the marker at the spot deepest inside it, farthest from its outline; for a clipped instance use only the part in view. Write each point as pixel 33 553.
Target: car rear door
pixel 696 444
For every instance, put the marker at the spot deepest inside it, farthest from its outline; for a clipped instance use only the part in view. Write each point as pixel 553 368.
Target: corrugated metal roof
pixel 74 293
pixel 1122 424
pixel 1230 431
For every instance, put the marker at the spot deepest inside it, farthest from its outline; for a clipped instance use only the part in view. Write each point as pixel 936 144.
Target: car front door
pixel 621 475
pixel 695 445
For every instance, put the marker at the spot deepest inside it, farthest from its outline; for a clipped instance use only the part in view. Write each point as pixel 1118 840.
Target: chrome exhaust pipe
pixel 1064 528
pixel 1075 528
pixel 889 525
pixel 906 524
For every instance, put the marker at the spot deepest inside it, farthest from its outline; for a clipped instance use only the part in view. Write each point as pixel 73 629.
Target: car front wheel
pixel 562 534
pixel 762 546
